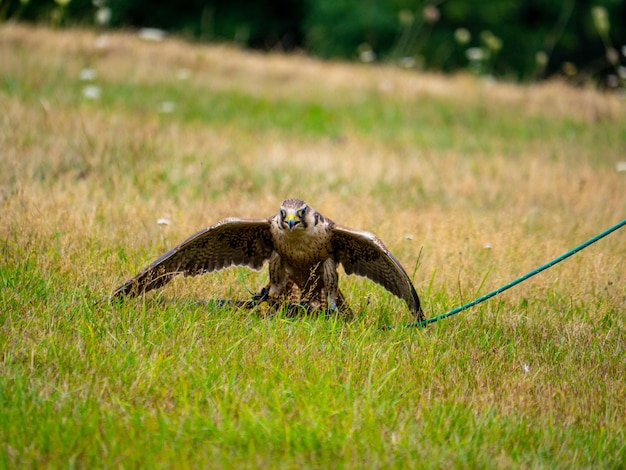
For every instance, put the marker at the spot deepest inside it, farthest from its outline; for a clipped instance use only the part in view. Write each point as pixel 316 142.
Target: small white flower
pixel 101 41
pixel 183 74
pixel 526 368
pixel 366 53
pixel 431 14
pixel 492 41
pixel 151 34
pixel 488 246
pixel 367 56
pixel 92 92
pixel 612 81
pixel 103 16
pixel 475 54
pixel 408 62
pixel 406 17
pixel 541 58
pixel 386 85
pixel 462 36
pixel 163 221
pixel 600 17
pixel 88 74
pixel 166 107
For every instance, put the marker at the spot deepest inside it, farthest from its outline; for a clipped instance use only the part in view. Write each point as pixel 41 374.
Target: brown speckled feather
pixel 363 254
pixel 230 242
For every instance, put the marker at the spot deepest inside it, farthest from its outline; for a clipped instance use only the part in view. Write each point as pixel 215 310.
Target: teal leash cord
pixel 518 280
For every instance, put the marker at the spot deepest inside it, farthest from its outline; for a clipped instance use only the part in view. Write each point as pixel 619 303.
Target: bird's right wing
pixel 230 242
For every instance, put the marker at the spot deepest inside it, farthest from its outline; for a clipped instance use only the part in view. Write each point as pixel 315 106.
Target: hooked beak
pixel 291 221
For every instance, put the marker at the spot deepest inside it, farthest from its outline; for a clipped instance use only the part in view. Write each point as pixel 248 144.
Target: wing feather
pixel 230 242
pixel 363 254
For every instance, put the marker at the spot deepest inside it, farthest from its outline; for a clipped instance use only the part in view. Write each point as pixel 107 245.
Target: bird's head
pixel 293 214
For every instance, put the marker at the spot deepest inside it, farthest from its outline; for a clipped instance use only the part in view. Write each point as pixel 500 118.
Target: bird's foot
pixel 259 297
pixel 262 295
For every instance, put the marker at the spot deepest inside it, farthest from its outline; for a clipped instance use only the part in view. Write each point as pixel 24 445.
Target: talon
pixel 257 298
pixel 262 295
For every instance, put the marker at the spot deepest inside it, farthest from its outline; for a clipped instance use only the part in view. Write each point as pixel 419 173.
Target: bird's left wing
pixel 242 242
pixel 363 254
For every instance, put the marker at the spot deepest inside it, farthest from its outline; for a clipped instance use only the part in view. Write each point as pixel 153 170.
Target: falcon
pixel 303 249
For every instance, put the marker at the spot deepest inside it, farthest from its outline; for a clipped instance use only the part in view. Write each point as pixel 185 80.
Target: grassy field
pixel 469 182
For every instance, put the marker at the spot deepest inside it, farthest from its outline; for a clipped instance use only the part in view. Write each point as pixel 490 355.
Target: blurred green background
pixel 584 40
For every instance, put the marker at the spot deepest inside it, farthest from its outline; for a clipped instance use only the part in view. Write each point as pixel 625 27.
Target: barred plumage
pixel 303 248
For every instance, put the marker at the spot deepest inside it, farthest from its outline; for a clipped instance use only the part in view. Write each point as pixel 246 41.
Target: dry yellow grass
pixel 529 206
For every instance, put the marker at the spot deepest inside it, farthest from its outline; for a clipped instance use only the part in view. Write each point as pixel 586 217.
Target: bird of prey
pixel 303 248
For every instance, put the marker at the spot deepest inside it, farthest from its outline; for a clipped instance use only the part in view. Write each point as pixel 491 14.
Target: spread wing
pixel 363 254
pixel 230 242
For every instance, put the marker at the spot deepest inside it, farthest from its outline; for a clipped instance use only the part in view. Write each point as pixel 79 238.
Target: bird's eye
pixel 283 214
pixel 301 213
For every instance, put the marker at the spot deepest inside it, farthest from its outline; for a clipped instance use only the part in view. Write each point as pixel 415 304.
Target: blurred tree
pixel 521 39
pixel 337 28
